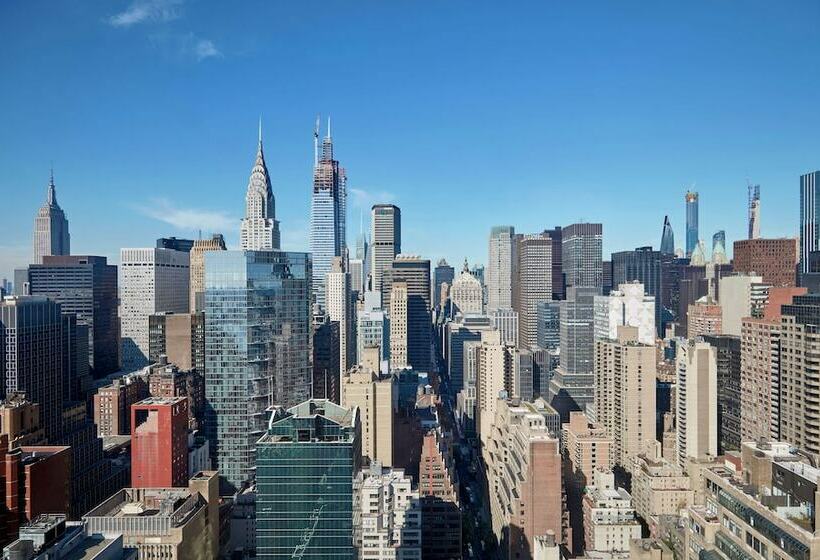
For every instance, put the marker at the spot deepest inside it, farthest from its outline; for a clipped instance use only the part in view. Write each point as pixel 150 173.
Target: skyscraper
pixel 628 305
pixel 697 398
pixel 398 325
pixel 340 308
pixel 691 199
pixel 754 211
pixel 373 395
pixel 443 273
pixel 719 248
pixel 257 349
pixel 385 241
pixel 809 217
pixel 306 464
pixel 151 280
pixel 260 228
pixel 774 259
pixel 51 235
pixel 415 272
pixel 581 252
pixel 328 213
pixel 500 268
pixel 645 266
pixel 667 238
pixel 532 283
pixel 197 270
pixel 466 292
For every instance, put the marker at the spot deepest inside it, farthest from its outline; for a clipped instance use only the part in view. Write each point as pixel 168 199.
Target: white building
pixel 466 293
pixel 499 268
pixel 339 302
pixel 505 320
pixel 741 296
pixel 260 228
pixel 372 327
pixel 697 400
pixel 51 235
pixel 609 518
pixel 151 281
pixel 389 515
pixel 629 305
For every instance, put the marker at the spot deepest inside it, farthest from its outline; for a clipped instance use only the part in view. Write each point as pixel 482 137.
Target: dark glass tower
pixel 667 238
pixel 305 467
pixel 809 216
pixel 691 222
pixel 644 265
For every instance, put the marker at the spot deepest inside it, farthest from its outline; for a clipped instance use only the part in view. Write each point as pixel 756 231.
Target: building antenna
pixel 316 141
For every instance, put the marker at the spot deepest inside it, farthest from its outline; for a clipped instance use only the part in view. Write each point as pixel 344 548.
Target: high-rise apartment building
pixel 257 349
pixel 705 317
pixel 112 404
pixel 466 292
pixel 625 375
pixel 532 283
pixel 500 268
pixel 628 305
pixel 328 214
pixel 197 269
pixel 151 280
pixel 692 235
pixel 87 287
pixel 373 394
pixel 51 235
pixel 438 488
pixel 159 442
pixel 773 259
pixel 385 241
pixel 260 228
pixel 697 399
pixel 180 337
pixel 415 273
pixel 340 308
pixel 667 238
pixel 809 217
pixel 495 375
pixel 741 296
pixel 728 362
pixel 306 464
pixel 581 252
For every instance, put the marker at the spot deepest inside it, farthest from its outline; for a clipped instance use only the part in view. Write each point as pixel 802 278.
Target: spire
pixel 316 141
pixel 466 266
pixel 260 130
pixel 51 197
pixel 328 127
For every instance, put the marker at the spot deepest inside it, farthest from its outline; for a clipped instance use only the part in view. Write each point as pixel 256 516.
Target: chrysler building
pixel 260 229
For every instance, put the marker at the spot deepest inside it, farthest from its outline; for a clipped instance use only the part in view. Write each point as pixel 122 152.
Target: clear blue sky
pixel 466 114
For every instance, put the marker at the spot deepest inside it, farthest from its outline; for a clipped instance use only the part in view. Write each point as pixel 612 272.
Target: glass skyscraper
pixel 691 222
pixel 667 238
pixel 305 466
pixel 809 215
pixel 258 332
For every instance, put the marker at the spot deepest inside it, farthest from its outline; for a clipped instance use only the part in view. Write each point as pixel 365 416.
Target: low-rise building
pixel 609 518
pixel 659 488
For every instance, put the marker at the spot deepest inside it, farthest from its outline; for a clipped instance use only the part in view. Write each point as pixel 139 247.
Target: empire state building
pixel 260 228
pixel 51 235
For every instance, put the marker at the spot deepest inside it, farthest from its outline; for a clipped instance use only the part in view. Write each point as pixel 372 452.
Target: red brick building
pixel 159 442
pixel 773 259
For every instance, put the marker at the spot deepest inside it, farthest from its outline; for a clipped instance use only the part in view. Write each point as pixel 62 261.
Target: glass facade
pixel 305 469
pixel 691 222
pixel 257 349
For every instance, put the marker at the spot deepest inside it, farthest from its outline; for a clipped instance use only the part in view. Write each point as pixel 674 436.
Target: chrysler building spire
pixel 260 229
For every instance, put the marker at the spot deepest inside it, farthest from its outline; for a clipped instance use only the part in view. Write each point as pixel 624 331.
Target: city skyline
pixel 549 146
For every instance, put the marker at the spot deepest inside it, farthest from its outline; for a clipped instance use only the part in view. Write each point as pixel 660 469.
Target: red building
pixel 773 259
pixel 159 442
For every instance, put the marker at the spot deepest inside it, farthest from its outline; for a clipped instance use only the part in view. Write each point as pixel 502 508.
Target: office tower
pixel 505 320
pixel 532 283
pixel 645 266
pixel 697 399
pixel 357 275
pixel 495 376
pixel 466 292
pixel 385 241
pixel 87 287
pixel 667 238
pixel 558 291
pixel 197 269
pixel 175 243
pixel 704 317
pixel 415 273
pixel 372 326
pixel 524 478
pixel 800 373
pixel 327 372
pixel 728 363
pixel 328 213
pixel 442 273
pixel 458 332
pixel 159 442
pixel 362 254
pixel 398 325
pixel 809 217
pixel 168 523
pixel 35 481
pixel 112 404
pixel 51 235
pixel 581 253
pixel 754 211
pixel 306 464
pixel 500 268
pixel 257 348
pixel 606 277
pixel 180 337
pixel 609 518
pixel 523 381
pixel 625 374
pixel 692 237
pixel 151 280
pixel 549 325
pixel 341 309
pixel 438 488
pixel 741 296
pixel 373 394
pixel 389 511
pixel 773 259
pixel 628 305
pixel 260 228
pixel 573 387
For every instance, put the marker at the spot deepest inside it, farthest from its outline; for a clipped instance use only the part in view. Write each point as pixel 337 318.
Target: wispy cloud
pixel 361 198
pixel 205 48
pixel 187 219
pixel 145 11
pixel 184 46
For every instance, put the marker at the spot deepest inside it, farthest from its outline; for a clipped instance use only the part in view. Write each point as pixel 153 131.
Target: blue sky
pixel 466 114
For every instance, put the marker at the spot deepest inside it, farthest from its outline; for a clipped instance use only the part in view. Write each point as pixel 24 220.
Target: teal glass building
pixel 258 329
pixel 304 482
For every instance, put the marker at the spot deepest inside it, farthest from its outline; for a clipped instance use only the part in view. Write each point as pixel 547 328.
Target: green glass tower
pixel 305 466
